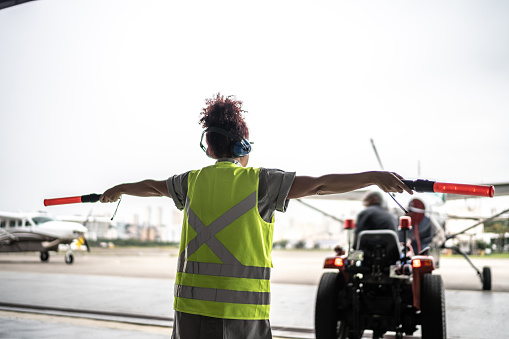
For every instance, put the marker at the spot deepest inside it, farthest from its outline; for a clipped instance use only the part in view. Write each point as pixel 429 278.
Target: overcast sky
pixel 95 93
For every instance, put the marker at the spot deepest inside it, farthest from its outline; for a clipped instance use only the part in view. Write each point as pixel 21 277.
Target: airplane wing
pixel 356 195
pixel 10 3
pixel 11 215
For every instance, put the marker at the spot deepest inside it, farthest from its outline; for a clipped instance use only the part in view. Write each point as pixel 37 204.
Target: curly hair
pixel 225 113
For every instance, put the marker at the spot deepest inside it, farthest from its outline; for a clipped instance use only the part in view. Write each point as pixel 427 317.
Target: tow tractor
pixel 380 286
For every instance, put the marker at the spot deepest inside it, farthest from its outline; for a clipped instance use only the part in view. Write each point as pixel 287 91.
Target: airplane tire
pixel 486 278
pixel 326 307
pixel 44 256
pixel 69 258
pixel 433 307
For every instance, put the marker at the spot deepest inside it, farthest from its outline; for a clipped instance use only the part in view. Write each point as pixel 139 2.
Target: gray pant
pixel 191 326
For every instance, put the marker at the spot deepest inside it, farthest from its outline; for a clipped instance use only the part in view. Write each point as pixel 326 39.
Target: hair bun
pixel 226 113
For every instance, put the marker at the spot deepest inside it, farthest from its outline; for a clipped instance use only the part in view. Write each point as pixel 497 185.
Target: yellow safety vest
pixel 225 260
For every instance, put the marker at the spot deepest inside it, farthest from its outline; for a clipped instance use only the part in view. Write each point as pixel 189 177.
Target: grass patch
pixel 132 243
pixel 491 256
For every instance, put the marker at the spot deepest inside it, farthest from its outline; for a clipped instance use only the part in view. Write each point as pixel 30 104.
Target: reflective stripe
pixel 206 235
pixel 225 296
pixel 231 266
pixel 222 270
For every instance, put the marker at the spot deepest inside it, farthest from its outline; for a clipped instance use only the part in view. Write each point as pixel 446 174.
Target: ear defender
pixel 240 148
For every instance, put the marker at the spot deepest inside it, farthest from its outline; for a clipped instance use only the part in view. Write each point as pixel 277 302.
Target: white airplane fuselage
pixel 24 232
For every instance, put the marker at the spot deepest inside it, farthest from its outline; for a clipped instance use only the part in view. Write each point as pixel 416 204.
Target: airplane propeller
pixel 85 242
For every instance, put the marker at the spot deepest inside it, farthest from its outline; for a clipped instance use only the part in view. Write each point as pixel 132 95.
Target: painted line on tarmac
pixel 131 318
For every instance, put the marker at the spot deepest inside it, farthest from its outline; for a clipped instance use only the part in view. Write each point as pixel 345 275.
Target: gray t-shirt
pixel 273 188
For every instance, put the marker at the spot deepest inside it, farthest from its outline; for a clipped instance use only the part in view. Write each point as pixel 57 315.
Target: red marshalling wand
pixel 442 187
pixel 72 200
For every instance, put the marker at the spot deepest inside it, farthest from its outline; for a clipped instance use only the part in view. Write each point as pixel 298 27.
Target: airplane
pixel 39 232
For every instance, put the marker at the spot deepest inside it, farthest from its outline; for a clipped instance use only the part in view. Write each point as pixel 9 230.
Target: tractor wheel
pixel 326 308
pixel 486 278
pixel 433 307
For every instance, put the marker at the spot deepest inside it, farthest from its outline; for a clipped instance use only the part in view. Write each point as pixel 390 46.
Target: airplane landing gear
pixel 486 278
pixel 69 257
pixel 44 256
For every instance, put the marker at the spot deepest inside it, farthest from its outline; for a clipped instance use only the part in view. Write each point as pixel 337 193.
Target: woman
pixel 222 286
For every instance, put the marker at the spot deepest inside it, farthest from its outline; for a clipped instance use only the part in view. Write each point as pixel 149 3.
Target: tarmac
pixel 98 297
pixel 52 304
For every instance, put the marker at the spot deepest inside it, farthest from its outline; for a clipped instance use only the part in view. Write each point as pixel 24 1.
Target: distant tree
pixel 300 244
pixel 481 244
pixel 280 244
pixel 499 227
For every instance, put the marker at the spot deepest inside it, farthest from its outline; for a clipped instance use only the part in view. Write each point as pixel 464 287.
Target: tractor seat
pixel 379 246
